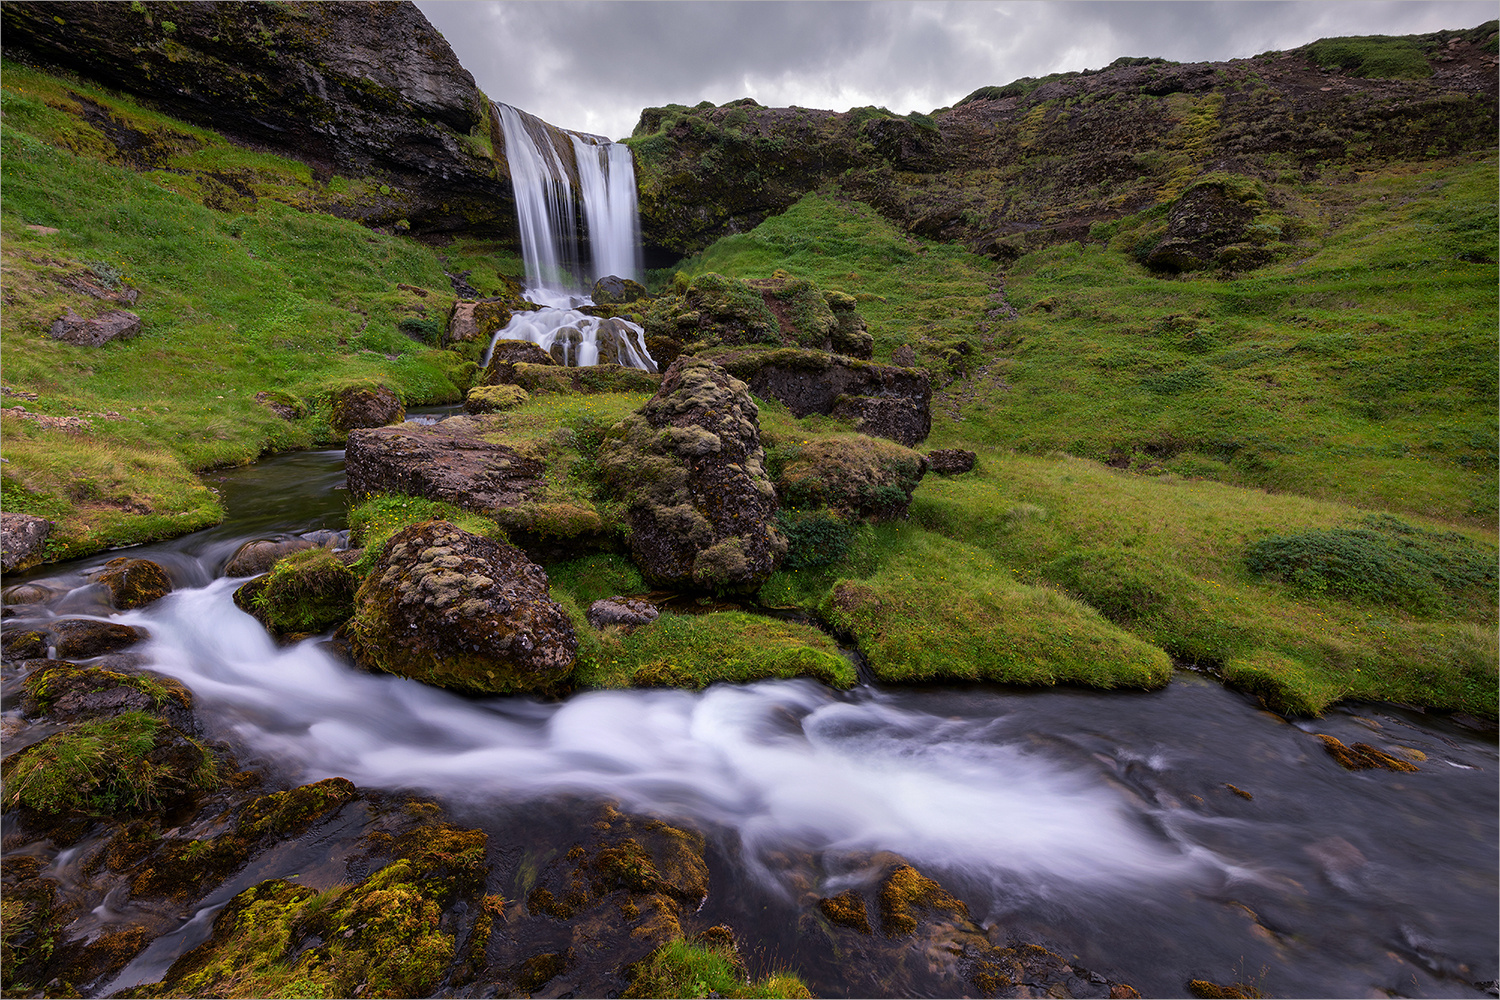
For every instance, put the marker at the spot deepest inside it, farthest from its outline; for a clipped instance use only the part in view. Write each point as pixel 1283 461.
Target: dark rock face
pixel 361 407
pixel 690 468
pixel 951 461
pixel 361 89
pixel 133 583
pixel 883 400
pixel 117 324
pixel 460 611
pixel 444 461
pixel 22 538
pixel 619 610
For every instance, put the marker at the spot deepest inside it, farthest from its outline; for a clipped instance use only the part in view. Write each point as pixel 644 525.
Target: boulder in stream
pixel 461 611
pixel 690 469
pixel 133 583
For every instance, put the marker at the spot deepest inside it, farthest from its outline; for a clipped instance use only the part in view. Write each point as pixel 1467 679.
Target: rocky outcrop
pixel 535 379
pixel 689 468
pixel 304 593
pixel 882 400
pixel 357 89
pixel 133 583
pixel 951 461
pixel 494 398
pixel 259 555
pixel 1036 162
pixel 472 324
pixel 617 610
pixel 460 611
pixel 444 461
pixel 22 539
pixel 116 324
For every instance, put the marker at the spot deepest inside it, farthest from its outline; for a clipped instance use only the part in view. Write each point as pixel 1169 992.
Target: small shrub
pixel 423 331
pixel 814 538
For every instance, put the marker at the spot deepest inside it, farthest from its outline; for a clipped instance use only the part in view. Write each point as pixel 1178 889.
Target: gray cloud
pixel 592 66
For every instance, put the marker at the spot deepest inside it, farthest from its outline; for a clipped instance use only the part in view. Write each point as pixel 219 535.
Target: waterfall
pixel 542 173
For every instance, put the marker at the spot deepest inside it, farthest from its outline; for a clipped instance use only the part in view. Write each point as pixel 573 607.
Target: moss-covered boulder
pixel 492 398
pixel 68 639
pixel 689 468
pixel 133 583
pixel 471 324
pixel 709 310
pixel 260 554
pixel 304 593
pixel 68 692
pixel 460 611
pixel 509 353
pixel 365 406
pixel 854 474
pixel 450 461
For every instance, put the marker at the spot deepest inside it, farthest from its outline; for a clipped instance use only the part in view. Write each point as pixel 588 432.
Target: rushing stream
pixel 1103 825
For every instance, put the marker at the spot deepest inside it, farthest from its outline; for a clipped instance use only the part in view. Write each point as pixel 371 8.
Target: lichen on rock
pixel 461 611
pixel 690 469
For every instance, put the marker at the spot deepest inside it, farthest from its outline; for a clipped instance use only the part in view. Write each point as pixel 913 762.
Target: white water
pixel 783 763
pixel 556 277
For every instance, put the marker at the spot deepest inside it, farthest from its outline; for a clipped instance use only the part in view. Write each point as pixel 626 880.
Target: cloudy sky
pixel 592 66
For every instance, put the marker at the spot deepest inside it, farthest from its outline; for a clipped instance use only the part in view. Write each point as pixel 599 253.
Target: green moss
pixel 44 686
pixel 309 591
pixel 375 519
pixel 694 651
pixel 682 969
pixel 1372 57
pixel 129 763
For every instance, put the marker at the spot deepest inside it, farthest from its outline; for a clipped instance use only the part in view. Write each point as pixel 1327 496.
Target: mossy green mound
pixel 306 592
pixel 705 968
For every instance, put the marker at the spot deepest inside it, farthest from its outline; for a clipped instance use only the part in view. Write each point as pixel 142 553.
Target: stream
pixel 1155 837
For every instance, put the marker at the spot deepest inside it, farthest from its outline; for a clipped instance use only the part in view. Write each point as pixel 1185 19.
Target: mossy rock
pixel 858 475
pixel 602 378
pixel 67 691
pixel 365 406
pixel 461 611
pixel 133 583
pixel 494 398
pixel 304 593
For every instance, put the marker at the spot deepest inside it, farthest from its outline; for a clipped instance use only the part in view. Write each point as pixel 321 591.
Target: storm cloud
pixel 592 66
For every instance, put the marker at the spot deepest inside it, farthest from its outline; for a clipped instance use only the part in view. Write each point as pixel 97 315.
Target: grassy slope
pixel 1356 376
pixel 258 295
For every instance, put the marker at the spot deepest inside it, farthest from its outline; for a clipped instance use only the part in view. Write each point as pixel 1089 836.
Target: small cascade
pixel 543 174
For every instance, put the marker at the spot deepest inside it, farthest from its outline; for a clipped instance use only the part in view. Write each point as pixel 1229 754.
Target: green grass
pixel 683 969
pixel 237 297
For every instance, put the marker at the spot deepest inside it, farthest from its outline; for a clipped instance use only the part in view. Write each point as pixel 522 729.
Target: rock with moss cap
pixel 461 611
pixel 363 406
pixel 133 583
pixel 857 475
pixel 690 469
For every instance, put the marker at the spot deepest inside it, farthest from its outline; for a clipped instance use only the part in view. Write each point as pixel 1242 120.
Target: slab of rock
pixel 22 538
pixel 617 610
pixel 883 400
pixel 133 583
pixel 493 398
pixel 445 461
pixel 365 407
pixel 117 324
pixel 68 639
pixel 690 469
pixel 463 612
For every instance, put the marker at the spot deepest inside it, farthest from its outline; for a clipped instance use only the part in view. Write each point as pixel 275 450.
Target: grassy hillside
pixel 247 284
pixel 1140 436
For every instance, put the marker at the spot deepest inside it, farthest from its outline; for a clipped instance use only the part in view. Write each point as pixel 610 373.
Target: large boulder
pixel 614 290
pixel 690 469
pixel 882 400
pixel 1205 222
pixel 461 611
pixel 355 89
pixel 22 540
pixel 363 406
pixel 133 583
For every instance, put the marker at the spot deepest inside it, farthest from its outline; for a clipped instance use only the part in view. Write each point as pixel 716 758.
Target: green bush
pixel 814 538
pixel 1385 562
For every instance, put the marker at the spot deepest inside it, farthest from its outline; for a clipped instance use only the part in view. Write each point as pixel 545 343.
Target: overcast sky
pixel 592 66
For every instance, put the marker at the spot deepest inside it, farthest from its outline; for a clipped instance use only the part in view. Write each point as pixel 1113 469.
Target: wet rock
pixel 1206 220
pixel 68 692
pixel 362 406
pixel 617 610
pixel 116 324
pixel 883 400
pixel 464 612
pixel 447 461
pixel 22 538
pixel 690 469
pixel 304 593
pixel 28 593
pixel 258 556
pixel 493 398
pixel 509 353
pixel 614 290
pixel 68 639
pixel 951 461
pixel 133 583
pixel 1362 756
pixel 859 476
pixel 847 910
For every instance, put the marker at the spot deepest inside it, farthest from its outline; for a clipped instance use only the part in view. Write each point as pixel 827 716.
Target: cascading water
pixel 556 276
